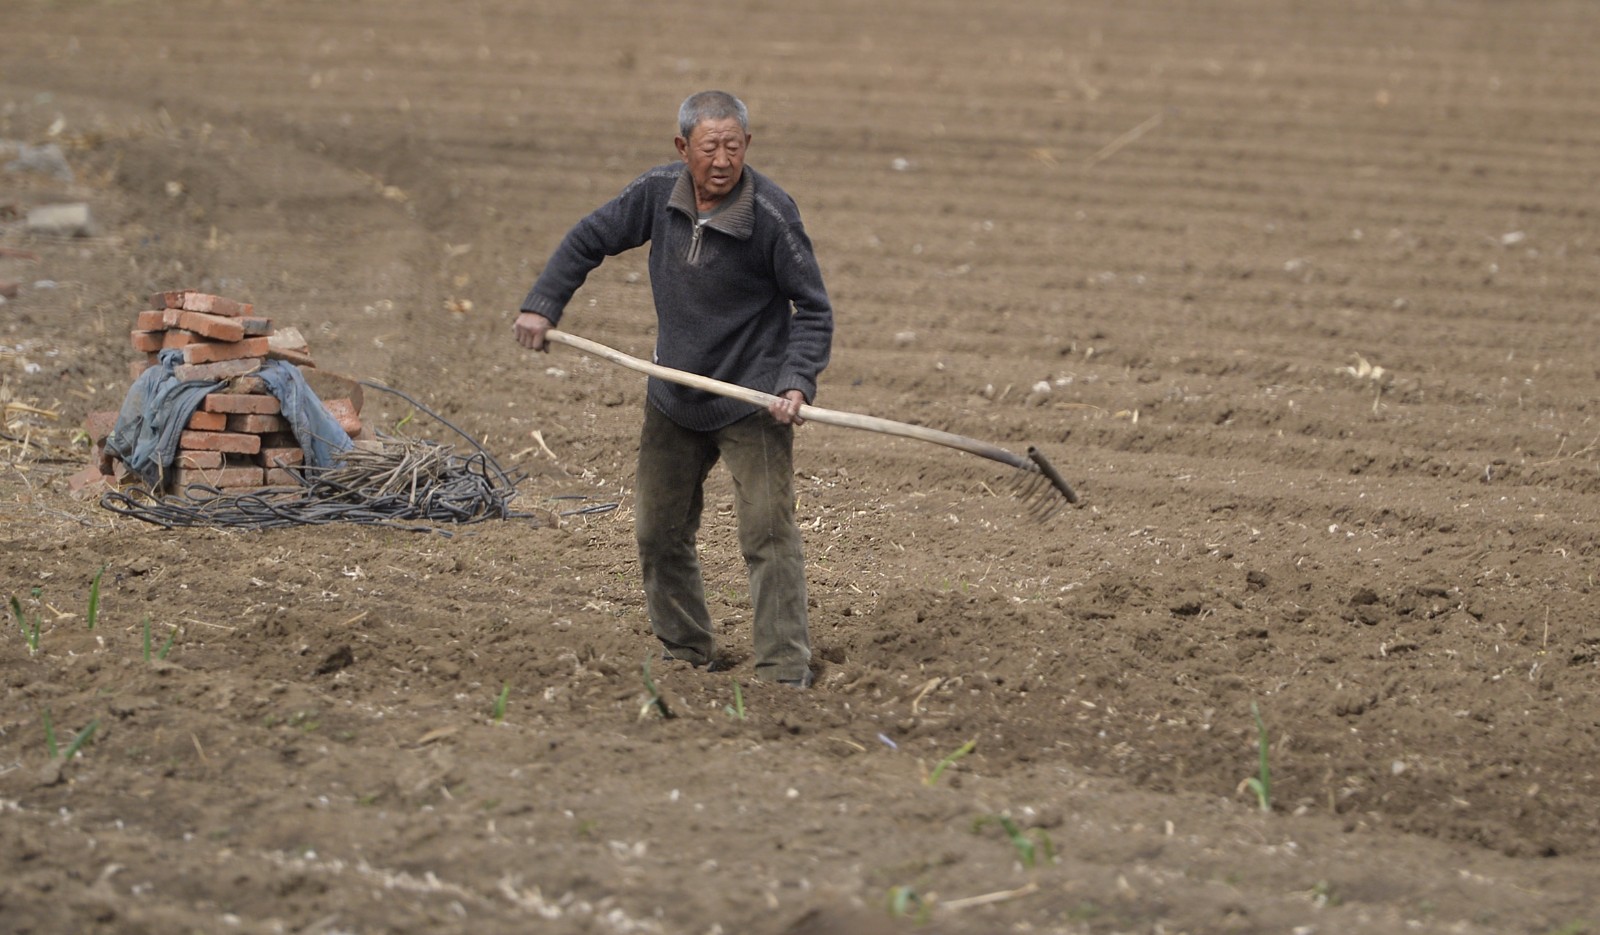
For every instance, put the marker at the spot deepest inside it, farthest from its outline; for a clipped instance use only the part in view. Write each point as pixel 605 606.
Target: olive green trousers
pixel 669 499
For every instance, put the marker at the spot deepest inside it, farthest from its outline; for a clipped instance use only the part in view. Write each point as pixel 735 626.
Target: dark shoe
pixel 715 665
pixel 803 682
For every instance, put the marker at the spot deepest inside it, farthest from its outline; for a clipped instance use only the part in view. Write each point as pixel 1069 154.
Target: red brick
pixel 151 321
pixel 172 299
pixel 221 370
pixel 259 403
pixel 298 358
pixel 290 339
pixel 215 327
pixel 216 305
pixel 137 367
pixel 196 302
pixel 213 351
pixel 147 341
pixel 178 338
pixel 99 457
pixel 247 386
pixel 256 423
pixel 197 459
pixel 98 424
pixel 208 422
pixel 88 483
pixel 328 385
pixel 255 326
pixel 169 317
pixel 220 441
pixel 344 413
pixel 279 440
pixel 282 457
pixel 289 344
pixel 224 477
pixel 283 477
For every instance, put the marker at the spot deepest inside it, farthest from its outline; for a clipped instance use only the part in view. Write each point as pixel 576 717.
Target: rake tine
pixel 1043 502
pixel 1038 484
pixel 1049 470
pixel 1026 484
pixel 1038 498
pixel 1042 512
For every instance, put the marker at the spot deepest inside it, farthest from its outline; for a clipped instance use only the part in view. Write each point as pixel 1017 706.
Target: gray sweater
pixel 739 298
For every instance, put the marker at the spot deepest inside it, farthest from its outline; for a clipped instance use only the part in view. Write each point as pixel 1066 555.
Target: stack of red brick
pixel 237 439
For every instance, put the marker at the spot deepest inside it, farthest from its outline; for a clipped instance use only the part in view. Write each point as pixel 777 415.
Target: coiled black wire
pixel 403 483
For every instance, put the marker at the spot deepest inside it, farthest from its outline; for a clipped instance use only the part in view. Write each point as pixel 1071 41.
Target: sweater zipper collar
pixel 737 220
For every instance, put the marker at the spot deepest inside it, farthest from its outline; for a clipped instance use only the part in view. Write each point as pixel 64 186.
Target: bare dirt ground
pixel 1313 289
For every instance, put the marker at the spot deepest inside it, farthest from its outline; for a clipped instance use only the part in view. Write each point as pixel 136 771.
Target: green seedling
pixel 1029 849
pixel 736 710
pixel 84 736
pixel 654 702
pixel 31 634
pixel 77 742
pixel 500 702
pixel 1323 895
pixel 906 903
pixel 165 647
pixel 306 721
pixel 1261 783
pixel 961 751
pixel 402 423
pixel 93 613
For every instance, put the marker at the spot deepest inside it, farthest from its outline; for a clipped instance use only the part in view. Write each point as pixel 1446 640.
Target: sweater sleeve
pixel 811 325
pixel 618 225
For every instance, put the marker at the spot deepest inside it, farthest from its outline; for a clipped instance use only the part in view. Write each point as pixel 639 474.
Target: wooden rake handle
pixel 1034 463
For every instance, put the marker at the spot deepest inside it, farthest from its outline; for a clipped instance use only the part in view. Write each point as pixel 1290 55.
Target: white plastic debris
pixel 64 220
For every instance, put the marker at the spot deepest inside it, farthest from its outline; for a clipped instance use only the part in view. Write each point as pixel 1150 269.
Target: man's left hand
pixel 787 409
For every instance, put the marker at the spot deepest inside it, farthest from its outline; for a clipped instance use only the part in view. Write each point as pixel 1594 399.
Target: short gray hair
pixel 711 105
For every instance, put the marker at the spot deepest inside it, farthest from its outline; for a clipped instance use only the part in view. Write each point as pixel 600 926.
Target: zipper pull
pixel 694 243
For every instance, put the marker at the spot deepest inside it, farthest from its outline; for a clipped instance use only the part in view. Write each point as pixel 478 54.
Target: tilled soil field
pixel 1302 298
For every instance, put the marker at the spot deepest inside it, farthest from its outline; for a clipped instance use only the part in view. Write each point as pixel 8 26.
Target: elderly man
pixel 739 298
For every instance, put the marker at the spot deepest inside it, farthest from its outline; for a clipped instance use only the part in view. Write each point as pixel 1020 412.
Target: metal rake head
pixel 1042 487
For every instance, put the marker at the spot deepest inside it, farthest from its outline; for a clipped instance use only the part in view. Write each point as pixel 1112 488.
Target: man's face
pixel 715 154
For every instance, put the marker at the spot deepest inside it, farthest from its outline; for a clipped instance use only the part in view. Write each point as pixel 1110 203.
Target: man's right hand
pixel 530 329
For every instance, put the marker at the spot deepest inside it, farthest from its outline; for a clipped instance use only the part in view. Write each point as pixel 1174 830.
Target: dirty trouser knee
pixel 668 499
pixel 759 453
